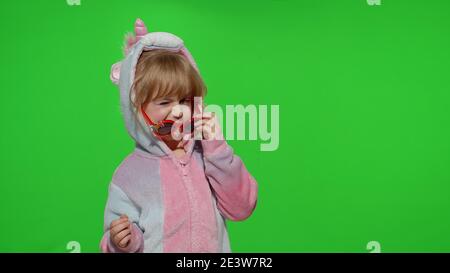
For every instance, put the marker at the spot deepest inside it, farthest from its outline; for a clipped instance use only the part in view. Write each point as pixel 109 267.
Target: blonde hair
pixel 162 73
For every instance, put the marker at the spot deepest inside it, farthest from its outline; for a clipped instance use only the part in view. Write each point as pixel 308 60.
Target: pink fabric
pixel 213 146
pixel 104 243
pixel 234 187
pixel 189 188
pixel 115 73
pixel 140 30
pixel 189 218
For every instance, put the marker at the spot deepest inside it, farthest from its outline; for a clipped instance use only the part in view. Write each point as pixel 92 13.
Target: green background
pixel 364 117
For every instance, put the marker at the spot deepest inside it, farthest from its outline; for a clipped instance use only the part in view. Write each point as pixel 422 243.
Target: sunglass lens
pixel 165 129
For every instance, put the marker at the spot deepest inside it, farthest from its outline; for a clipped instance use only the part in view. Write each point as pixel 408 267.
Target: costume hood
pixel 123 74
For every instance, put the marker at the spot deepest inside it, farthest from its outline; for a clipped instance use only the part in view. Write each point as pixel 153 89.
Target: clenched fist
pixel 120 232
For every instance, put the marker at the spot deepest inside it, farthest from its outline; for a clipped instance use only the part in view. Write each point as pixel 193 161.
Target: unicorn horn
pixel 140 29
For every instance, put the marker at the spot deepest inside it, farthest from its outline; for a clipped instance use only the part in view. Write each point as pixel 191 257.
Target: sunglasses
pixel 164 127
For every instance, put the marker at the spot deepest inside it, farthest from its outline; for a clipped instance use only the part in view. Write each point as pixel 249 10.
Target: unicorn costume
pixel 175 204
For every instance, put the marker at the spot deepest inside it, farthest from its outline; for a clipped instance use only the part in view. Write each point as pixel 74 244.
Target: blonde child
pixel 171 194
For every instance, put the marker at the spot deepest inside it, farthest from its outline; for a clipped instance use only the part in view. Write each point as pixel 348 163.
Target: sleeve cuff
pixel 211 147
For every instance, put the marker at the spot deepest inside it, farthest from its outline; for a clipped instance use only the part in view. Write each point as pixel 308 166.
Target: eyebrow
pixel 172 99
pixel 164 99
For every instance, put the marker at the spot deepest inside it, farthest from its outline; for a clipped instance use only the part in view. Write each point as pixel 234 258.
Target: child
pixel 171 194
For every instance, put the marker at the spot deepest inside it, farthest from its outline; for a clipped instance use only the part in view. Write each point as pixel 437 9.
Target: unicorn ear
pixel 115 73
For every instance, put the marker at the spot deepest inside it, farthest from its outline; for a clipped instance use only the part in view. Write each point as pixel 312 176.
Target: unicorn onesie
pixel 175 204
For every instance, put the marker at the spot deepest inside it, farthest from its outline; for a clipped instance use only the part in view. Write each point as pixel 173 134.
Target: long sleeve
pixel 118 204
pixel 233 186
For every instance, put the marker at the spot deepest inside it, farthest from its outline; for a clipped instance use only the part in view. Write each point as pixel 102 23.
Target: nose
pixel 177 112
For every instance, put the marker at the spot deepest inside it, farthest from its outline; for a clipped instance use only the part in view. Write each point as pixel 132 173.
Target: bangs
pixel 165 74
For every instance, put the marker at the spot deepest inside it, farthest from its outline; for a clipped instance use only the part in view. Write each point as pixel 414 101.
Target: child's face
pixel 170 108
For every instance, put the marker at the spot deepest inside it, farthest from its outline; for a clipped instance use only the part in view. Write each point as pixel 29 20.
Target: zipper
pixel 183 168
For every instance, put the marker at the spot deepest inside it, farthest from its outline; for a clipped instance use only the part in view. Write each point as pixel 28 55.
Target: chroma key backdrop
pixel 346 124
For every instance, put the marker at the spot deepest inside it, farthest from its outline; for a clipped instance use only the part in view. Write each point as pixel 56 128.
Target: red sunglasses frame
pixel 162 123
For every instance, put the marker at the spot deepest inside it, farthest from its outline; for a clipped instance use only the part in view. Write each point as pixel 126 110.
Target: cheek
pixel 156 112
